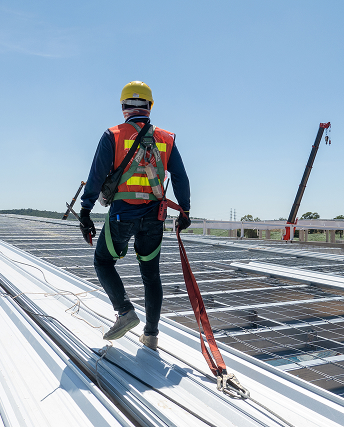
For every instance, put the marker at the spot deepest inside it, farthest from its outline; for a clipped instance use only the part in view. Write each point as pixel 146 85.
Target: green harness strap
pixel 111 248
pixel 133 167
pixel 159 164
pixel 150 131
pixel 150 256
pixel 149 140
pixel 132 195
pixel 109 242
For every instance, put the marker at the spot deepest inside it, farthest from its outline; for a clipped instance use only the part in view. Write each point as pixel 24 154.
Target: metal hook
pixel 230 385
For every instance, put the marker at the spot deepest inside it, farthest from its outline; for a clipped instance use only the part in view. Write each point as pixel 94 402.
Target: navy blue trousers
pixel 148 233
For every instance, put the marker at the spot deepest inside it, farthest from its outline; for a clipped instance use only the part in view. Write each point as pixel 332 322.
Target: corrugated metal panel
pixel 229 296
pixel 39 386
pixel 170 375
pixel 144 364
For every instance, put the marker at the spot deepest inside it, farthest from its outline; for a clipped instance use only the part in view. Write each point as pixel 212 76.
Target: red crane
pixel 292 216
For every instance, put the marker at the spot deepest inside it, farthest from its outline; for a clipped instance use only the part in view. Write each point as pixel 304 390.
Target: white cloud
pixel 25 34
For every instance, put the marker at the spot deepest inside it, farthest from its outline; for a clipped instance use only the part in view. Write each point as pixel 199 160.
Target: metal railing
pixel 303 225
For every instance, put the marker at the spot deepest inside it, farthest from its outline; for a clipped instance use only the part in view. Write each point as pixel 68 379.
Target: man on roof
pixel 134 210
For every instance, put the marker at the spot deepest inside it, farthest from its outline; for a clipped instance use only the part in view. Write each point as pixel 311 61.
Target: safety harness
pixel 146 149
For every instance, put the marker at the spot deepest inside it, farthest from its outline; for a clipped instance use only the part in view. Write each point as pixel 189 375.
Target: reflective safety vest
pixel 135 188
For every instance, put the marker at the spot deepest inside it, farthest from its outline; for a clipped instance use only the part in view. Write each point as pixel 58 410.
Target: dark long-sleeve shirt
pixel 102 165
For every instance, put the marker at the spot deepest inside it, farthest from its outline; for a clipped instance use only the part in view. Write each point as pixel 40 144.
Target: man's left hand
pixel 183 222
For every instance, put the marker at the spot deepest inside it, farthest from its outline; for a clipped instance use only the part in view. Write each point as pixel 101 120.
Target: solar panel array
pixel 292 325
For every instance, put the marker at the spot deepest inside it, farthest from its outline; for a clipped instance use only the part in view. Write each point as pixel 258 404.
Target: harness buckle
pixel 148 154
pixel 147 144
pixel 229 384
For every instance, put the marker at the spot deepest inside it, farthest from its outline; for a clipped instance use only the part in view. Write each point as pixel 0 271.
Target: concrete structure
pixel 327 226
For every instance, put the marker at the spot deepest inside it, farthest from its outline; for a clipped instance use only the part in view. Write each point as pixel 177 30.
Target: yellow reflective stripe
pixel 161 146
pixel 129 142
pixel 139 180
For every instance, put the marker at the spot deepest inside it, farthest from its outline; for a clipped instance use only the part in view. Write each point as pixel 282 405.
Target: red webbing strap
pixel 217 365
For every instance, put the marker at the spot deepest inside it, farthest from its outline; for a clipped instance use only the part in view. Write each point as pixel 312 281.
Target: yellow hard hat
pixel 137 89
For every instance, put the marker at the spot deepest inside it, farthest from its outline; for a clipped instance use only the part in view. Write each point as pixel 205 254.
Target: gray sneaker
pixel 122 325
pixel 149 340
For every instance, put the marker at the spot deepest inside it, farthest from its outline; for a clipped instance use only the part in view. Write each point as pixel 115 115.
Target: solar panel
pixel 295 326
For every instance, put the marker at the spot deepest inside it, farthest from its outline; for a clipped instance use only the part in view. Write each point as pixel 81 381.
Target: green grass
pixel 320 237
pixel 274 235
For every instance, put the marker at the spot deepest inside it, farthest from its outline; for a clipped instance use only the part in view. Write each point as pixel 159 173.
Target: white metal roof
pixel 39 384
pixel 177 370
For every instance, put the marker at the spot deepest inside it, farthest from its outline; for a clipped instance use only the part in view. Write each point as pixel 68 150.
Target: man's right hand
pixel 86 226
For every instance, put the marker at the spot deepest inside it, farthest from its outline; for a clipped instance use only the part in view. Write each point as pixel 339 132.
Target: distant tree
pixel 49 214
pixel 339 231
pixel 247 218
pixel 310 215
pixel 282 219
pixel 250 233
pixel 250 218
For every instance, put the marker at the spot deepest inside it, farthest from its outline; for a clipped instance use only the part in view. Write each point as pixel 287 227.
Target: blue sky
pixel 244 85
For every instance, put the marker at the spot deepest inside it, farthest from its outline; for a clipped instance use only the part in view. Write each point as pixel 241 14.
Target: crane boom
pixel 302 186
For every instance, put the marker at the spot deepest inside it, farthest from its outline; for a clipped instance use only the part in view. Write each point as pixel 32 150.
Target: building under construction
pixel 276 311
